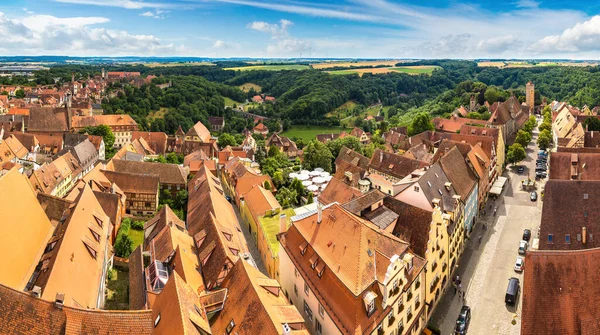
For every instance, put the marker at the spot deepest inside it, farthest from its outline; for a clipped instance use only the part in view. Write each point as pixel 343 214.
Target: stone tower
pixel 530 95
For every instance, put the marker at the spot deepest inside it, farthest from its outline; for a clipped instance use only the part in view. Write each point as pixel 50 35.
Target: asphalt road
pixel 486 267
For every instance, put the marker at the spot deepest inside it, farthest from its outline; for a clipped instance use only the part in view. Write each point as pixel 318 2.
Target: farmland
pixel 326 65
pixel 156 64
pixel 230 102
pixel 308 133
pixel 343 110
pixel 527 64
pixel 414 70
pixel 270 67
pixel 247 86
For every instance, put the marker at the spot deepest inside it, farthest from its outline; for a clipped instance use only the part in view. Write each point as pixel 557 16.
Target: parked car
pixel 533 196
pixel 462 323
pixel 540 169
pixel 519 264
pixel 520 169
pixel 512 291
pixel 526 235
pixel 523 247
pixel 541 174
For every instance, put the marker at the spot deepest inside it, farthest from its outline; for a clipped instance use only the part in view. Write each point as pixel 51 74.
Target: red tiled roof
pixel 560 293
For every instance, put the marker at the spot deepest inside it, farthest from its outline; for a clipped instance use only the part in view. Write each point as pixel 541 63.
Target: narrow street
pixel 486 267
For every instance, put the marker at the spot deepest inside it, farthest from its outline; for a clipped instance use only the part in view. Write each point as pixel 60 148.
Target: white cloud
pixel 276 30
pixel 220 44
pixel 30 12
pixel 128 4
pixel 527 4
pixel 499 44
pixel 157 14
pixel 45 34
pixel 281 43
pixel 581 37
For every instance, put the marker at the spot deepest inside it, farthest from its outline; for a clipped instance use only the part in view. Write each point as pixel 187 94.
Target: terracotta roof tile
pixel 560 293
pixel 156 140
pixel 22 244
pixel 114 120
pixel 133 182
pixel 570 208
pixel 167 173
pixel 48 119
pixel 394 165
pixel 574 166
pixel 338 191
pixel 256 304
pixel 201 131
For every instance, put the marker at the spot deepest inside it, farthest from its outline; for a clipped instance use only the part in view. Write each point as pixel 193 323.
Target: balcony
pixel 433 266
pixel 400 308
pixel 395 291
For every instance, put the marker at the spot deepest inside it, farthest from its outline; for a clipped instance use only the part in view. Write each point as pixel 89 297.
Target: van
pixel 512 292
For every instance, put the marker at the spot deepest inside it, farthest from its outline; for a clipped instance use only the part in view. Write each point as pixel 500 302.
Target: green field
pixel 247 86
pixel 414 70
pixel 230 102
pixel 308 133
pixel 270 67
pixel 137 236
pixel 342 110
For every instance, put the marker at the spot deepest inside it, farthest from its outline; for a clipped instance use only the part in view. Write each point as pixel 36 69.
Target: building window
pixel 308 311
pixel 230 326
pixel 319 328
pixel 321 310
pixel 296 289
pixel 550 238
pixel 306 288
pixel 567 238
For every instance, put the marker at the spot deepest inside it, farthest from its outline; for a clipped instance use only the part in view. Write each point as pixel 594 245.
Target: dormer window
pixel 230 326
pixel 303 247
pixel 369 300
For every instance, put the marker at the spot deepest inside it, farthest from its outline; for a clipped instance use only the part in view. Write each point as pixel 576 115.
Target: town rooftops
pixel 179 310
pixel 21 313
pixel 394 165
pixel 454 124
pixel 446 145
pixel 352 157
pixel 164 218
pixel 213 224
pixel 48 119
pixel 466 129
pixel 574 166
pixel 200 131
pixel 167 173
pixel 112 120
pixel 413 224
pixel 458 172
pixel 338 191
pixel 75 264
pixel 560 292
pixel 569 215
pixel 344 247
pixel 156 140
pixel 24 229
pixel 134 182
pixel 269 311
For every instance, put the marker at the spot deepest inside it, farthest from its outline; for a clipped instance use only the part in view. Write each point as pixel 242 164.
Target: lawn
pixel 117 297
pixel 247 86
pixel 137 236
pixel 230 102
pixel 326 65
pixel 414 70
pixel 270 67
pixel 270 227
pixel 308 133
pixel 346 107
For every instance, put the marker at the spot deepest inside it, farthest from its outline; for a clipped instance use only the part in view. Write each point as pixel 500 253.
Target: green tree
pixel 226 139
pixel 474 115
pixel 523 138
pixel 174 158
pixel 544 139
pixel 529 126
pixel 124 246
pixel 316 154
pixel 350 142
pixel 591 124
pixel 180 201
pixel 274 152
pixel 267 185
pixel 277 179
pixel 309 199
pixel 545 126
pixel 101 130
pixel 421 122
pixel 20 94
pixel 492 94
pixel 286 197
pixel 516 153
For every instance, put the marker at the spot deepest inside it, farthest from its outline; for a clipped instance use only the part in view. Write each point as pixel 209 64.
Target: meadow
pixel 414 70
pixel 308 133
pixel 270 67
pixel 247 86
pixel 326 65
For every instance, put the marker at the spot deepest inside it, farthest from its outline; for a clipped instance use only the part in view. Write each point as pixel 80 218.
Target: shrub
pixel 139 225
pixel 124 246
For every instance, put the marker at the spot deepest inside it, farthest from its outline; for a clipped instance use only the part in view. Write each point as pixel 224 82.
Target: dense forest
pixel 306 96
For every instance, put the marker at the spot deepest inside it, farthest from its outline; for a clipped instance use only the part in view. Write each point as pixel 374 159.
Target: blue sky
pixel 295 28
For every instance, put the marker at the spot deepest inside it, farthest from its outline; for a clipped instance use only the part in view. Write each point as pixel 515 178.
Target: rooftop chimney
pixel 282 222
pixel 319 212
pixel 583 234
pixel 36 291
pixel 380 156
pixel 286 329
pixel 59 302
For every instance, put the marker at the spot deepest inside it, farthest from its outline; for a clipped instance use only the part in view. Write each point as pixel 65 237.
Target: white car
pixel 519 264
pixel 523 247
